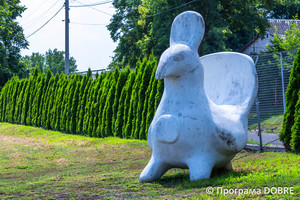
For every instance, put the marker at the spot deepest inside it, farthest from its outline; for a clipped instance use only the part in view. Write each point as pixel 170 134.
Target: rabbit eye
pixel 178 58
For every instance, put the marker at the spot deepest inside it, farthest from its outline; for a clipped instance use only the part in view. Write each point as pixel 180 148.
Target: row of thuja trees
pixel 115 103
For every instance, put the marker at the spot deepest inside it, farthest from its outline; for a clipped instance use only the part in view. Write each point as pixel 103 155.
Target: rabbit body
pixel 189 130
pixel 183 132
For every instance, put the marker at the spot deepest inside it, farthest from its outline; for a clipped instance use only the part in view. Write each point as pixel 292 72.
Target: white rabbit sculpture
pixel 202 119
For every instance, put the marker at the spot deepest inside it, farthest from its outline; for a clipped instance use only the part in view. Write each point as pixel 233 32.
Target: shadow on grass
pixel 182 179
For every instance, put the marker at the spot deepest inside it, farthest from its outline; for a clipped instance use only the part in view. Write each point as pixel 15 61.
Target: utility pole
pixel 67 21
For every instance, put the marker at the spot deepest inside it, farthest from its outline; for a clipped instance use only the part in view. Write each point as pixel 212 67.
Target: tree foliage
pixel 143 26
pixel 285 9
pixel 53 60
pixel 12 40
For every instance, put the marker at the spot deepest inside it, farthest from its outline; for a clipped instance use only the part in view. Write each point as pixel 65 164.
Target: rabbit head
pixel 182 56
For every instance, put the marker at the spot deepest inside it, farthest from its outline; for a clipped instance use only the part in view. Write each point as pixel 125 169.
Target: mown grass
pixel 41 164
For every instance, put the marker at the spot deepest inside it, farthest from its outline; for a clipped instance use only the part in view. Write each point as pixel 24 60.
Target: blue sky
pixel 90 45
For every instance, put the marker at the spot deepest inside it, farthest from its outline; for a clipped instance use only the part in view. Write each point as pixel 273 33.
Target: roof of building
pixel 281 24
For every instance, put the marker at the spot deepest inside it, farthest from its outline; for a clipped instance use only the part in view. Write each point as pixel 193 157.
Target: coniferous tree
pixel 119 86
pixel 54 102
pixel 80 96
pixel 68 107
pixel 97 105
pixel 48 94
pixel 5 99
pixel 17 100
pixel 37 100
pixel 108 112
pixel 33 110
pixel 295 139
pixel 102 114
pixel 97 75
pixel 43 98
pixel 5 91
pixel 26 101
pixel 21 101
pixel 32 96
pixel 94 107
pixel 149 101
pixel 1 103
pixel 75 100
pixel 89 73
pixel 291 97
pixel 9 100
pixel 118 114
pixel 83 105
pixel 144 83
pixel 60 102
pixel 129 85
pixel 65 103
pixel 51 105
pixel 14 98
pixel 130 122
pixel 83 85
pixel 91 108
pixel 159 93
pixel 87 109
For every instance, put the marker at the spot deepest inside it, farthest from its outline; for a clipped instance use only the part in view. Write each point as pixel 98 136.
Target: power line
pixel 33 11
pixel 95 4
pixel 93 8
pixel 39 18
pixel 45 23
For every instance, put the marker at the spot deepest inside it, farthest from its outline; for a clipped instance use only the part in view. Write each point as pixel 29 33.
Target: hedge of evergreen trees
pixel 115 103
pixel 290 134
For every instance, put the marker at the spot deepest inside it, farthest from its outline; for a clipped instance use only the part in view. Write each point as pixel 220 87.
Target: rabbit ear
pixel 188 28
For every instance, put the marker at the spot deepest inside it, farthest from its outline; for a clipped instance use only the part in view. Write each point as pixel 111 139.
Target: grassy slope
pixel 40 164
pixel 270 125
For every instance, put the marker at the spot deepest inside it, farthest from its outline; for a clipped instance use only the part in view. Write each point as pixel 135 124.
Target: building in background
pixel 258 45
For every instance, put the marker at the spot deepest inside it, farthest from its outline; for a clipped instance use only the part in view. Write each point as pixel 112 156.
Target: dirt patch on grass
pixel 16 159
pixel 80 143
pixel 62 162
pixel 26 141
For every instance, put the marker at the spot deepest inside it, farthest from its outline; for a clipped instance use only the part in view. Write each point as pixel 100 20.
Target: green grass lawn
pixel 270 125
pixel 41 164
